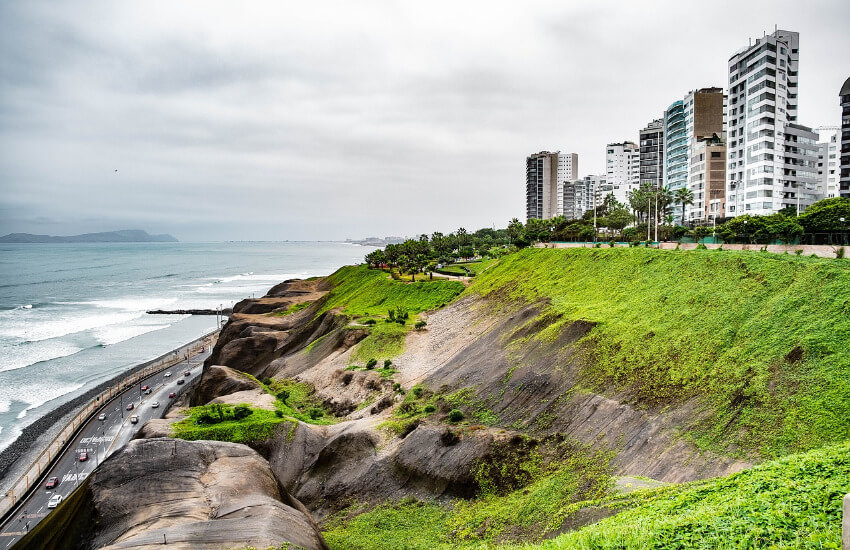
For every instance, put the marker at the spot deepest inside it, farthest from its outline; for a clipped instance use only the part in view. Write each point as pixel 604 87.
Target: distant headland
pixel 123 236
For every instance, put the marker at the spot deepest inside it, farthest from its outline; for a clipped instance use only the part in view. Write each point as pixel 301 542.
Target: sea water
pixel 73 315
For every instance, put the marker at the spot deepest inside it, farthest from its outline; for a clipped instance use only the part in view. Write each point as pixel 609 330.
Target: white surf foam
pixel 111 335
pixel 29 353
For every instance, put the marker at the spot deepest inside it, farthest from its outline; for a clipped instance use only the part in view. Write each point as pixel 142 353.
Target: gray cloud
pixel 276 121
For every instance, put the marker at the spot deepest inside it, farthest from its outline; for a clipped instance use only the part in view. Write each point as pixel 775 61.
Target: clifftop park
pixel 550 398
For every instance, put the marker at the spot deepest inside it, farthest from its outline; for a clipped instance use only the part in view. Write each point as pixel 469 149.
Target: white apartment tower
pixel 567 172
pixel 829 158
pixel 771 160
pixel 622 169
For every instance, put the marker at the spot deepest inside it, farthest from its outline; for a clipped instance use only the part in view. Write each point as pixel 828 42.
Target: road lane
pixel 101 438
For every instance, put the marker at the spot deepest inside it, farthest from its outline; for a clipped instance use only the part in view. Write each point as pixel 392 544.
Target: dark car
pixel 148 391
pixel 180 381
pixel 130 407
pixel 84 456
pixel 187 373
pixel 145 387
pixel 172 395
pixel 52 483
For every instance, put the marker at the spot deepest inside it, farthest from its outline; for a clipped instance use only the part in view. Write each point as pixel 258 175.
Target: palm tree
pixel 684 196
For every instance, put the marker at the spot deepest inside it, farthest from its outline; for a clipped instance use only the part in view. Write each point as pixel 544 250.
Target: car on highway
pixel 52 483
pixel 84 456
pixel 155 405
pixel 101 417
pixel 145 387
pixel 167 374
pixel 180 381
pixel 134 419
pixel 148 391
pixel 130 407
pixel 172 395
pixel 54 501
pixel 187 373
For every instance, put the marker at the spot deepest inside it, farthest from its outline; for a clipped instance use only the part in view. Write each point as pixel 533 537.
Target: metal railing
pixel 54 450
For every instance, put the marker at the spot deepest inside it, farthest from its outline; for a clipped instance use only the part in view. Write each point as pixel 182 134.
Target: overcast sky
pixel 327 120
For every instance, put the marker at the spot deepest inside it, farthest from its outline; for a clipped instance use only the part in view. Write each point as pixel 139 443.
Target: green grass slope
pixel 367 293
pixel 793 502
pixel 760 338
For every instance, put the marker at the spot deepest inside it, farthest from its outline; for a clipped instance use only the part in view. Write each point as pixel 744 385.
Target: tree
pixel 618 218
pixel 515 229
pixel 825 216
pixel 462 237
pixel 683 196
pixel 376 258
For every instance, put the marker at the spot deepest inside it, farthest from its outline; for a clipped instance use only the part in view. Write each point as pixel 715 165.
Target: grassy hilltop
pixel 758 340
pixel 761 337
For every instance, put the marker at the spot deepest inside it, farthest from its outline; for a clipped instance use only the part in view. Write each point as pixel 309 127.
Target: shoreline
pixel 50 425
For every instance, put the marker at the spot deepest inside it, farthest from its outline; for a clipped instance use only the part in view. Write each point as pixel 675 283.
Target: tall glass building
pixel 675 151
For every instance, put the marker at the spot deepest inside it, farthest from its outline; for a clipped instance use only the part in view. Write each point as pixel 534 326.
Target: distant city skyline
pixel 268 121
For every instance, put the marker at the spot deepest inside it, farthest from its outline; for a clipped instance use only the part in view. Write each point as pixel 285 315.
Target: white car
pixel 155 405
pixel 54 501
pixel 167 374
pixel 102 417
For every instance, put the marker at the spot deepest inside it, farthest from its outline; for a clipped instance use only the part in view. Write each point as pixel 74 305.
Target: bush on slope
pixel 759 338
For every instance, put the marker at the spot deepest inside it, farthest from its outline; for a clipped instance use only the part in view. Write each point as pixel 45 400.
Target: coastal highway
pixel 100 438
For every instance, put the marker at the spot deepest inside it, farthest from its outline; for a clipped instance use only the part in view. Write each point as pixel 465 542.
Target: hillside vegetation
pixel 793 502
pixel 759 339
pixel 368 294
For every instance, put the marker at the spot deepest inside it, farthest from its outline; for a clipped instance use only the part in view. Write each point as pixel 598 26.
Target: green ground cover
pixel 297 400
pixel 293 309
pixel 363 292
pixel 259 426
pixel 760 337
pixel 793 502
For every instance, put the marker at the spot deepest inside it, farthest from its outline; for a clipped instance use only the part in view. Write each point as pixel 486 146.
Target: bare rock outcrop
pixel 218 381
pixel 194 494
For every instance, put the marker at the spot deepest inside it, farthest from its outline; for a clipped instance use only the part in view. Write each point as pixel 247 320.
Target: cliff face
pixel 477 346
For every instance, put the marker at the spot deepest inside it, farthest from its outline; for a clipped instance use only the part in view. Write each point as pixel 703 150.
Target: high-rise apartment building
pixel 541 185
pixel 567 172
pixel 771 159
pixel 707 180
pixel 545 176
pixel 697 117
pixel 652 154
pixel 580 195
pixel 829 159
pixel 844 174
pixel 675 147
pixel 622 169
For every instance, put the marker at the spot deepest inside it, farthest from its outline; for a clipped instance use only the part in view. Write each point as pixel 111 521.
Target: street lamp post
pixel 746 235
pixel 843 231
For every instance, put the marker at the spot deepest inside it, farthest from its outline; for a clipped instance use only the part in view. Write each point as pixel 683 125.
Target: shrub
pixel 278 413
pixel 798 252
pixel 429 409
pixel 283 395
pixel 420 325
pixel 611 244
pixel 701 246
pixel 387 363
pixel 840 252
pixel 417 391
pixel 456 415
pixel 267 381
pixel 597 245
pixel 241 411
pixel 370 364
pixel 396 387
pixel 315 413
pixel 369 322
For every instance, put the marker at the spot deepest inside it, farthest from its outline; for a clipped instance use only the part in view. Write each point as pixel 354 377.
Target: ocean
pixel 73 315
